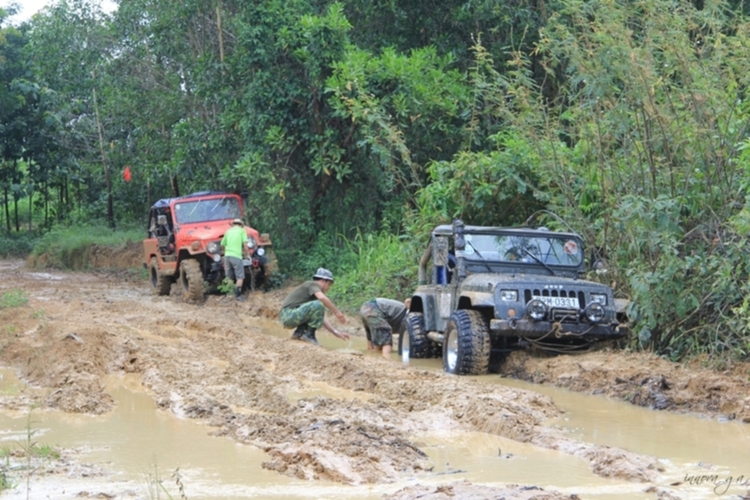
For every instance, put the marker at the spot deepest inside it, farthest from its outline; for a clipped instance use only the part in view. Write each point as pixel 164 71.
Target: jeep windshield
pixel 211 209
pixel 524 248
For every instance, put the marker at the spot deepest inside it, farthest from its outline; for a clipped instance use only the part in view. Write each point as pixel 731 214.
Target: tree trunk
pixel 15 213
pixel 175 186
pixel 7 209
pixel 31 209
pixel 221 35
pixel 107 179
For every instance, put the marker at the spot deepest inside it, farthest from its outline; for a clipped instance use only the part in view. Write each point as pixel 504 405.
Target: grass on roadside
pixel 17 245
pixel 155 487
pixel 26 457
pixel 62 244
pixel 13 298
pixel 382 265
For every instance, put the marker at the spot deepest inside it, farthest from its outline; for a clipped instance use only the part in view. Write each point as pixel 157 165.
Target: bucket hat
pixel 323 274
pixel 238 222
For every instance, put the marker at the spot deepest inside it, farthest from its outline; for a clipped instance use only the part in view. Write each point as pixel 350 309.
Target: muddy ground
pixel 212 362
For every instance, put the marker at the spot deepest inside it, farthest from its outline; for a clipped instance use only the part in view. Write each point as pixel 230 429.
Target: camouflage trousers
pixel 311 313
pixel 377 329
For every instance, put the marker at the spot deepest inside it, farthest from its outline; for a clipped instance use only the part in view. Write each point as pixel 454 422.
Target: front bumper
pixel 538 329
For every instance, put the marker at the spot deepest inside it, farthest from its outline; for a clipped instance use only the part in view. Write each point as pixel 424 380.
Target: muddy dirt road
pixel 212 362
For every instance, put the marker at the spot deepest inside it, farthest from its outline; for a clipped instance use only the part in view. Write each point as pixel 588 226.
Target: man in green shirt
pixel 304 308
pixel 234 247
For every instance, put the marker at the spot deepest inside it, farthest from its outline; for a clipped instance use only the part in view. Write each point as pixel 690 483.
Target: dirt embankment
pixel 642 379
pixel 211 362
pixel 127 256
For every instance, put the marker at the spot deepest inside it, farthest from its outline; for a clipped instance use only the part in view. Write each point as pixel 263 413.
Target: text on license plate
pixel 563 302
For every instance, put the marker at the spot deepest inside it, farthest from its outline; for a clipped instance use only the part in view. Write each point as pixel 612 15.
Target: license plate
pixel 560 302
pixel 247 262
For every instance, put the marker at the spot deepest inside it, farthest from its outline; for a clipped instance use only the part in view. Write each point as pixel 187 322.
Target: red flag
pixel 126 173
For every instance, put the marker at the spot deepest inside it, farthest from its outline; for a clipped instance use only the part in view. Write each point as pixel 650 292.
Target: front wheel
pixel 414 343
pixel 191 279
pixel 467 346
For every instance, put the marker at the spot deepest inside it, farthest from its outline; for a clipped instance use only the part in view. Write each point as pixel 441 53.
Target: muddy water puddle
pixel 136 443
pixel 702 458
pixel 128 446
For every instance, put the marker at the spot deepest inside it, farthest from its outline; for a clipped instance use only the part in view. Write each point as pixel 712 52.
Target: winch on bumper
pixel 539 329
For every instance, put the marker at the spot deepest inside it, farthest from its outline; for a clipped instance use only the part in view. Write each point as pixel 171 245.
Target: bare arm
pixel 330 328
pixel 327 302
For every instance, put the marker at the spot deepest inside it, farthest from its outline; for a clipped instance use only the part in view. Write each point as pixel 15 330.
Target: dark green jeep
pixel 486 290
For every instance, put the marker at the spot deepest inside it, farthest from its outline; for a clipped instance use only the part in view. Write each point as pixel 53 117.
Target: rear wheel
pixel 160 283
pixel 191 280
pixel 414 343
pixel 467 346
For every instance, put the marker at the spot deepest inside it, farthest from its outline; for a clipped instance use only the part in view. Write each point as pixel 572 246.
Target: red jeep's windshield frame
pixel 206 210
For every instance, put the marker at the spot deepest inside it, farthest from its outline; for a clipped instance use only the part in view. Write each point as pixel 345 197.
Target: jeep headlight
pixel 599 298
pixel 213 247
pixel 509 295
pixel 594 312
pixel 217 257
pixel 261 251
pixel 251 243
pixel 536 309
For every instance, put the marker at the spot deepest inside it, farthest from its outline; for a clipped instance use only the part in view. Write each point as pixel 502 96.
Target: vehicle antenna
pixel 553 214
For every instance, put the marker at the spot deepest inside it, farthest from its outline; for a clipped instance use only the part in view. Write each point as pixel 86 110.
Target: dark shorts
pixel 377 329
pixel 234 268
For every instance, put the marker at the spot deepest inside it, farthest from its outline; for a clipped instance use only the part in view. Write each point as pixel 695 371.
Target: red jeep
pixel 183 244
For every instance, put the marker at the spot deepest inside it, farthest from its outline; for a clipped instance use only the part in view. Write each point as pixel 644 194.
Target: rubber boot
pixel 309 336
pixel 299 331
pixel 238 293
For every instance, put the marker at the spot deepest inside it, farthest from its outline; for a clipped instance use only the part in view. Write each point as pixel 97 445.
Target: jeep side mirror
pixel 161 220
pixel 599 266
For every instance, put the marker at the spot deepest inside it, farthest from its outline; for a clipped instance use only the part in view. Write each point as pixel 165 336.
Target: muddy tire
pixel 414 342
pixel 467 346
pixel 160 283
pixel 272 265
pixel 250 279
pixel 191 280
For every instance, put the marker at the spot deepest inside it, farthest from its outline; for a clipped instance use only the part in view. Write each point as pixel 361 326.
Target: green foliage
pixel 499 188
pixel 13 298
pixel 329 251
pixel 344 120
pixel 17 245
pixel 378 265
pixel 226 287
pixel 653 117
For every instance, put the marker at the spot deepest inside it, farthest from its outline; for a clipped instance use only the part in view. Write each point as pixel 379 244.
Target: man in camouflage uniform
pixel 304 308
pixel 382 317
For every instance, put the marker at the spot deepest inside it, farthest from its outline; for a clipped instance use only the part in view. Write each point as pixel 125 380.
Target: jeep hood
pixel 204 231
pixel 210 231
pixel 485 282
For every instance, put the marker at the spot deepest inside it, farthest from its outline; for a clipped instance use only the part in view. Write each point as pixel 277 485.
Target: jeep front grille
pixel 580 295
